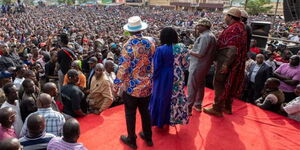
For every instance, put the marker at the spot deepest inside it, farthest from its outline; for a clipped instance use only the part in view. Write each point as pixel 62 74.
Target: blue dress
pixel 168 104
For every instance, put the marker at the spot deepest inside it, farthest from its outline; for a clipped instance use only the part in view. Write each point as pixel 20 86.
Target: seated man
pixel 72 96
pixel 100 96
pixel 36 138
pixel 7 119
pixel 10 144
pixel 293 107
pixel 289 76
pixel 272 97
pixel 54 120
pixel 71 133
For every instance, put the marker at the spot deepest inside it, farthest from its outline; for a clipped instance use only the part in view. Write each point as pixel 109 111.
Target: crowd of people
pixel 60 63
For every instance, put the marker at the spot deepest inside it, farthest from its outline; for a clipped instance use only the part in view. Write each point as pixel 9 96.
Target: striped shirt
pixel 54 121
pixel 39 143
pixel 58 143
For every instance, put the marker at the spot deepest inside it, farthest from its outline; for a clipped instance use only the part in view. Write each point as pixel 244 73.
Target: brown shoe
pixel 197 108
pixel 211 111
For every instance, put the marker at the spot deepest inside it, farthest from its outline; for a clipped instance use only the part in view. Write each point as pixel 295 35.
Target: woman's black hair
pixel 168 36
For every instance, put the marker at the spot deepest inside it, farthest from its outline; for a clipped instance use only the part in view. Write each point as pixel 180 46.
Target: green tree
pixel 61 1
pixel 70 2
pixel 82 1
pixel 255 7
pixel 6 1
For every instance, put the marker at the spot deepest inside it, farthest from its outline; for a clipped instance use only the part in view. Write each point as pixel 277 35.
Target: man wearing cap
pixel 230 63
pixel 201 58
pixel 134 77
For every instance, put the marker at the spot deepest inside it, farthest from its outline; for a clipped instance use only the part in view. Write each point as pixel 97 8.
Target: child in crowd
pixel 272 97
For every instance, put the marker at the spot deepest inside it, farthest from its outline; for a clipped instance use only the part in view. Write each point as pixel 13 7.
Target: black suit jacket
pixel 262 75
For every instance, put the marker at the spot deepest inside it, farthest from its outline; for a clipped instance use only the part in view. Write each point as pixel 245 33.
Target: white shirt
pixel 293 109
pixel 254 72
pixel 18 123
pixel 18 82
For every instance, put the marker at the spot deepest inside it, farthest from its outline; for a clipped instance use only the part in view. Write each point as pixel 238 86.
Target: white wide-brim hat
pixel 135 24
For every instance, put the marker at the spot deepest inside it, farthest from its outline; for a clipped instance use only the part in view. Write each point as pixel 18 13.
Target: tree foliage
pixel 255 7
pixel 6 1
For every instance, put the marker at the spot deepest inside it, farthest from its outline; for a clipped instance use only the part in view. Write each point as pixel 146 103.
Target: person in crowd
pixel 168 104
pixel 201 59
pixel 29 98
pixel 134 77
pixel 92 63
pixel 5 60
pixel 100 94
pixel 293 107
pixel 29 89
pixel 109 70
pixel 51 89
pixel 271 62
pixel 12 101
pixel 27 106
pixel 82 79
pixel 5 77
pixel 253 48
pixel 54 120
pixel 72 96
pixel 65 56
pixel 50 67
pixel 10 144
pixel 230 59
pixel 36 138
pixel 71 134
pixel 244 19
pixel 272 97
pixel 258 74
pixel 7 119
pixel 289 76
pixel 20 69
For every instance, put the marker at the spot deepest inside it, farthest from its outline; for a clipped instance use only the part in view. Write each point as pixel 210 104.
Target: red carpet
pixel 249 128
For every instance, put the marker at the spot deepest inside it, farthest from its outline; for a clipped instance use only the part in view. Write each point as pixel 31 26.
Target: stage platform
pixel 249 128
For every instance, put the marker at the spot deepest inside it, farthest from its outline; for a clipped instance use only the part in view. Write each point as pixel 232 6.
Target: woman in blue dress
pixel 168 104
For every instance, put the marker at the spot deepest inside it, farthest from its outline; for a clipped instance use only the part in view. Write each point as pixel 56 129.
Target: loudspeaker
pixel 291 10
pixel 260 29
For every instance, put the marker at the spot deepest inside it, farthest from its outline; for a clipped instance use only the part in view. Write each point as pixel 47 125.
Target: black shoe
pixel 149 142
pixel 127 141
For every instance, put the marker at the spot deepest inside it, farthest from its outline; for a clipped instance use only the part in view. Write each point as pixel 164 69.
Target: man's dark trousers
pixel 131 104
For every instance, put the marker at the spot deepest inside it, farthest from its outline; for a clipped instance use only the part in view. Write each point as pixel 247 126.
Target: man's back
pixel 71 98
pixel 135 69
pixel 64 59
pixel 58 143
pixel 36 143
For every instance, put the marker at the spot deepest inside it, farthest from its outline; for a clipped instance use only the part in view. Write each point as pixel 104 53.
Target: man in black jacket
pixel 64 58
pixel 259 72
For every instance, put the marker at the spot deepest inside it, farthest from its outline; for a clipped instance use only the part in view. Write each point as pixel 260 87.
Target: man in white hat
pixel 134 77
pixel 230 63
pixel 202 56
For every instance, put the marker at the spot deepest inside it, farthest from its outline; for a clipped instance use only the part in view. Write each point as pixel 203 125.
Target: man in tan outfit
pixel 100 94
